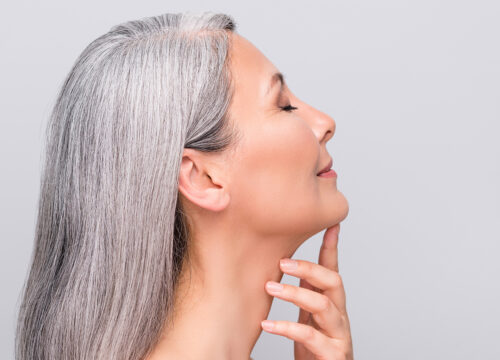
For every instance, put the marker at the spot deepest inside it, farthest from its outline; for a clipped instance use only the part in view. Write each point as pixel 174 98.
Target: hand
pixel 323 330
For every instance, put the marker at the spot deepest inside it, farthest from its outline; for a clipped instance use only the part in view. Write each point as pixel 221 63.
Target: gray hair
pixel 111 236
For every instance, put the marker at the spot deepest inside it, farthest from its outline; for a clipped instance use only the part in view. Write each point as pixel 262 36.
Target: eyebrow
pixel 276 77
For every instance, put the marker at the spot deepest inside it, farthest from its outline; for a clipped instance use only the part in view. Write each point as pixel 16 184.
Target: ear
pixel 199 182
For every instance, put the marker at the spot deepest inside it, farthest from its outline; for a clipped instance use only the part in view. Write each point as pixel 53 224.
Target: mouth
pixel 327 171
pixel 326 168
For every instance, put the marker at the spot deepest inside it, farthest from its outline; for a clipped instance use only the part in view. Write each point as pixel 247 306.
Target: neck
pixel 220 298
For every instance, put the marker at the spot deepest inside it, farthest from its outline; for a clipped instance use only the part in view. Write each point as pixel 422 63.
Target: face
pixel 272 175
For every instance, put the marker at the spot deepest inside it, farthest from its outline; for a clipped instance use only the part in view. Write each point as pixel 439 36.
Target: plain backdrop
pixel 414 87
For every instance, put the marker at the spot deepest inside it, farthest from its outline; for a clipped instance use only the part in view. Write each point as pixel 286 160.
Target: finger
pixel 315 341
pixel 304 315
pixel 328 253
pixel 323 311
pixel 319 276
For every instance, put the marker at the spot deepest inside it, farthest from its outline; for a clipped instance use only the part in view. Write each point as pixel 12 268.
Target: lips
pixel 326 168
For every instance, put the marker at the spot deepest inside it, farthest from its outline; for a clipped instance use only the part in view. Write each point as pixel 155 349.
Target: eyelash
pixel 288 108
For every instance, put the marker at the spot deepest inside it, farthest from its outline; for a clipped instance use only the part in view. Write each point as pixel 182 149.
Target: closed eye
pixel 288 108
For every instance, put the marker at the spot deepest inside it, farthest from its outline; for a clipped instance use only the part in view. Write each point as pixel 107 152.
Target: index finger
pixel 328 253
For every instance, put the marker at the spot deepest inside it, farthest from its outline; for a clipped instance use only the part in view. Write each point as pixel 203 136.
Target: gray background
pixel 414 87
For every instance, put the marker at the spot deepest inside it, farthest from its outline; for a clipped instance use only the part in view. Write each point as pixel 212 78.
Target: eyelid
pixel 288 108
pixel 279 99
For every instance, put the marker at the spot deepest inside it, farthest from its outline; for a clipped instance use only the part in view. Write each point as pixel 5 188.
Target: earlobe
pixel 198 186
pixel 217 199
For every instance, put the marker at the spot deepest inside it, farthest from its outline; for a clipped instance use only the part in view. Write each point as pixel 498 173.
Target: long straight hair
pixel 111 235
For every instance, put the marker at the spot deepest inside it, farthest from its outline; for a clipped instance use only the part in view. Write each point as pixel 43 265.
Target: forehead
pixel 251 69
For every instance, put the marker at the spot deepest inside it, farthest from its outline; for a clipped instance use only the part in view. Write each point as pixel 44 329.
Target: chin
pixel 346 207
pixel 338 209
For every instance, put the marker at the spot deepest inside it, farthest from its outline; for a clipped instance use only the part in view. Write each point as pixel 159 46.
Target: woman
pixel 179 170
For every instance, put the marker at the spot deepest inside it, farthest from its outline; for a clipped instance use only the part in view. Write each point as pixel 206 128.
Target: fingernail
pixel 288 264
pixel 267 325
pixel 273 286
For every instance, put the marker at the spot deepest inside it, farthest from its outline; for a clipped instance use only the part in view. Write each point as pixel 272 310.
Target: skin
pixel 249 208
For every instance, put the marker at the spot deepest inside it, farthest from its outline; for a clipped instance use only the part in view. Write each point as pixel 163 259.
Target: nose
pixel 322 124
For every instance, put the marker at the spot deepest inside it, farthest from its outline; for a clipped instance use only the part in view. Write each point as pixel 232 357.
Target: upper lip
pixel 327 167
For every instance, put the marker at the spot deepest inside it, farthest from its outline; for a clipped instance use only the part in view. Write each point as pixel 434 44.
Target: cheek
pixel 275 177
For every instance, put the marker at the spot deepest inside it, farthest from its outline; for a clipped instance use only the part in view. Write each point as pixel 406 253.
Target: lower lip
pixel 328 174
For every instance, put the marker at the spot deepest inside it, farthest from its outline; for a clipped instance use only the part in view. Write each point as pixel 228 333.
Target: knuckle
pixel 286 327
pixel 305 265
pixel 309 334
pixel 337 280
pixel 279 327
pixel 343 350
pixel 290 291
pixel 325 303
